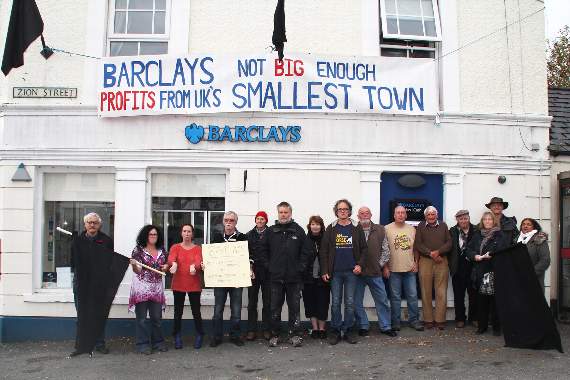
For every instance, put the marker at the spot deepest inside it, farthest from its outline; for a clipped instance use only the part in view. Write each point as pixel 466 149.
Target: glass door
pixel 564 263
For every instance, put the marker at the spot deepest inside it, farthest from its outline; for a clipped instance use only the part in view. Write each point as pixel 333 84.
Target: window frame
pixel 408 37
pixel 137 37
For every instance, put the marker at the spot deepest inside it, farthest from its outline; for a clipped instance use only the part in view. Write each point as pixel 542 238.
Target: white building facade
pixel 489 120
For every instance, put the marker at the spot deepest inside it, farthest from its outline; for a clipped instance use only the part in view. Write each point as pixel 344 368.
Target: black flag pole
pixel 25 26
pixel 279 38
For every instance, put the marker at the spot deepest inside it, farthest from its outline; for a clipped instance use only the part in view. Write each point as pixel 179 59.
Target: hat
pixel 497 200
pixel 461 212
pixel 263 214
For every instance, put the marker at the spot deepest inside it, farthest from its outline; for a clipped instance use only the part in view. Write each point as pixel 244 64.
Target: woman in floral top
pixel 147 289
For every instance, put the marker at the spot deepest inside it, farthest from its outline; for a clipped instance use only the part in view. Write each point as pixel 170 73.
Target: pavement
pixel 449 354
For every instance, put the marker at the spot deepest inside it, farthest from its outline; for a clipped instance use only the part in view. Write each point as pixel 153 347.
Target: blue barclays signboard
pixel 242 133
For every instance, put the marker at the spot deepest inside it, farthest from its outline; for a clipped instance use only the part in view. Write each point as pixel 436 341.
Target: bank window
pixel 67 198
pixel 139 27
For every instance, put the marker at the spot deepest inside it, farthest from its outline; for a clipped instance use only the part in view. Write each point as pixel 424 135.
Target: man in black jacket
pixel 256 237
pixel 230 234
pixel 288 251
pixel 460 268
pixel 508 223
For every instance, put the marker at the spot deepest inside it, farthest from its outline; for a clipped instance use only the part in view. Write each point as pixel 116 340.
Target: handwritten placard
pixel 226 265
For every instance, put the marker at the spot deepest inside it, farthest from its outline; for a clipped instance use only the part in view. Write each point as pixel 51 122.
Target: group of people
pixel 329 268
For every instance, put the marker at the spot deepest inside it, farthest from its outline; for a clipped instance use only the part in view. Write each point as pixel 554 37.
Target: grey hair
pixel 429 209
pixel 231 213
pixel 92 215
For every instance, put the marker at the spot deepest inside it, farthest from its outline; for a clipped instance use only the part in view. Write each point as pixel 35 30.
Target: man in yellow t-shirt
pixel 403 269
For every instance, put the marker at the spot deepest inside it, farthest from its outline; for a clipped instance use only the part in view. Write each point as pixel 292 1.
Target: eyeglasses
pixel 229 220
pixel 92 222
pixel 343 209
pixel 152 234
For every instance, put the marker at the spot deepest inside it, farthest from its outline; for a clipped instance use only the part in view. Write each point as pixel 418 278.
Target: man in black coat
pixel 256 237
pixel 460 268
pixel 98 271
pixel 508 224
pixel 289 252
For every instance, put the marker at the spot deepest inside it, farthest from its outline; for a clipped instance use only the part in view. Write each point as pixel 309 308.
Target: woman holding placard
pixel 147 289
pixel 185 260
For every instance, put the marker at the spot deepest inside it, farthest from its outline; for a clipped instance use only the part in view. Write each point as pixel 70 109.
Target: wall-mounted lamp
pixel 21 174
pixel 502 179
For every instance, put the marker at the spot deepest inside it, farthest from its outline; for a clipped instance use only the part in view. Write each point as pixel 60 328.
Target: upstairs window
pixel 410 20
pixel 409 28
pixel 139 27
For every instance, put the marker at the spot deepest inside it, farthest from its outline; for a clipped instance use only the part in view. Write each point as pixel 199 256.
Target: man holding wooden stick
pixel 98 272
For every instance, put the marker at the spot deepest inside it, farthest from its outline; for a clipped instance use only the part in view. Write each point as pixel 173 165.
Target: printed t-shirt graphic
pixel 344 259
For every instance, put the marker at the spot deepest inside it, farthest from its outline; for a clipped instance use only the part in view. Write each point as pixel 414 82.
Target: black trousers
pixel 462 283
pixel 253 297
pixel 316 298
pixel 194 298
pixel 280 290
pixel 484 305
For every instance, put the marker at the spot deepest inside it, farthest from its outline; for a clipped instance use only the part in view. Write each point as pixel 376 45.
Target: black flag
pixel 279 37
pixel 25 26
pixel 525 316
pixel 99 273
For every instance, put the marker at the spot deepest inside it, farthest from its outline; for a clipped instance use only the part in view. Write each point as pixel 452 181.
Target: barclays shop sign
pixel 242 133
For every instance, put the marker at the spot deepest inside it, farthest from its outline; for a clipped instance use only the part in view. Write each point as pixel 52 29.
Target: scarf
pixel 524 238
pixel 317 243
pixel 487 235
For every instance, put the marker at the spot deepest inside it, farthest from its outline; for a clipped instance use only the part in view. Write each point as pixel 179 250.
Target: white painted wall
pixel 502 70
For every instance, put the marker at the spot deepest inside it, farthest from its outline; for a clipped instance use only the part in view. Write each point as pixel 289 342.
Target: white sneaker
pixel 296 341
pixel 274 341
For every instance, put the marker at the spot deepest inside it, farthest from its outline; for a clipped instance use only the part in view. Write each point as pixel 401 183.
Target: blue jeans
pixel 220 295
pixel 378 292
pixel 346 281
pixel 143 334
pixel 408 280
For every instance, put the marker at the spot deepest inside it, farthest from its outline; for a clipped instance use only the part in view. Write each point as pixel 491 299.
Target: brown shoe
pixel 266 335
pixel 428 325
pixel 251 335
pixel 440 325
pixel 460 324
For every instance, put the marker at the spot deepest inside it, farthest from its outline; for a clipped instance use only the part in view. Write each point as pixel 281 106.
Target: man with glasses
pixel 342 255
pixel 230 234
pixel 91 235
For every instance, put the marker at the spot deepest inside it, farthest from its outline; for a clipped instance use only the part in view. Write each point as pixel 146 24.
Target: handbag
pixel 487 286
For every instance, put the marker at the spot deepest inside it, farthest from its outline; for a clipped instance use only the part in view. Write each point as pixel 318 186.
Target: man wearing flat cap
pixel 460 269
pixel 508 224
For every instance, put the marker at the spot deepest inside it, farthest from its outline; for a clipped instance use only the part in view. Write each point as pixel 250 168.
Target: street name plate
pixel 44 92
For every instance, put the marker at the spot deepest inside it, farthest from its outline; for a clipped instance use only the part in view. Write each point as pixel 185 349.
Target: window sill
pixel 65 295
